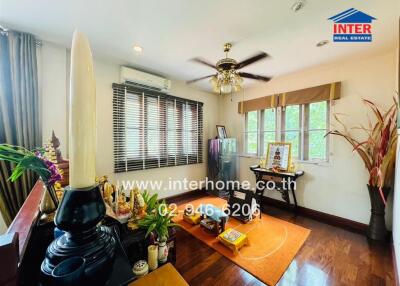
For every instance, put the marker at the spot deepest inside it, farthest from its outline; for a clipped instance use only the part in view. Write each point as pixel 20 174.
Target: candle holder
pixel 78 215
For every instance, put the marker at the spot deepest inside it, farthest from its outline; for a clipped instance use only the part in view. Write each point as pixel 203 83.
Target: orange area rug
pixel 273 242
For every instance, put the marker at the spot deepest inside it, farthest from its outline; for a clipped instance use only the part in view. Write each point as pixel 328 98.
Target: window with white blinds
pixel 153 129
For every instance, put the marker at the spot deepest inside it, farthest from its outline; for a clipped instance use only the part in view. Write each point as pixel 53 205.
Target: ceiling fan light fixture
pixel 238 79
pixel 227 77
pixel 226 88
pixel 237 88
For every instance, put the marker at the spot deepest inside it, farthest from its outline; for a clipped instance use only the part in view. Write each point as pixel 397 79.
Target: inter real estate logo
pixel 352 26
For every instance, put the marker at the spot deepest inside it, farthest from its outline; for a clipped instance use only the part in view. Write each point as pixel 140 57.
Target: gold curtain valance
pixel 324 92
pixel 265 102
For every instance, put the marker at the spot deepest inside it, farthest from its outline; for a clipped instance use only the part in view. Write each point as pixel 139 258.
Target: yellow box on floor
pixel 233 239
pixel 166 275
pixel 192 219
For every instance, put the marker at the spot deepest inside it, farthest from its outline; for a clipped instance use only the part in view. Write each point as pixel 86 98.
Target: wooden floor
pixel 330 256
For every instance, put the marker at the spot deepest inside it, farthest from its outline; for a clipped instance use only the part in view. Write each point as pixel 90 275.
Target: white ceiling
pixel 173 31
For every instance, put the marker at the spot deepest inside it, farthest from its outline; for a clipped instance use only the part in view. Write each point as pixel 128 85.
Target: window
pixel 304 126
pixel 269 128
pixel 291 121
pixel 317 128
pixel 153 129
pixel 251 137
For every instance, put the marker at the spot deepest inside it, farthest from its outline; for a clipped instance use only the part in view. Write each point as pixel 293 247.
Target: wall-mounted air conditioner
pixel 132 76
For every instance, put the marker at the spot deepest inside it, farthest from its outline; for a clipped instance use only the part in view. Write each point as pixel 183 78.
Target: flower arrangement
pixel 378 149
pixel 35 161
pixel 158 221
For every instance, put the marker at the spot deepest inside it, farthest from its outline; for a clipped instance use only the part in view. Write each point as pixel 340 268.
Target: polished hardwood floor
pixel 330 256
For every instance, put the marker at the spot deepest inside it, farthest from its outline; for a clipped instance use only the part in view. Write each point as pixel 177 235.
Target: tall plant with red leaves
pixel 378 150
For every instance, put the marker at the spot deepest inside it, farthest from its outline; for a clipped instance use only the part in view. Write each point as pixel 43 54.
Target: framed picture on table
pixel 221 132
pixel 279 156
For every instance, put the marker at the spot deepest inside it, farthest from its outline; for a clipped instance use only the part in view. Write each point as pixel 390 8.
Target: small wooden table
pixel 217 217
pixel 166 275
pixel 266 176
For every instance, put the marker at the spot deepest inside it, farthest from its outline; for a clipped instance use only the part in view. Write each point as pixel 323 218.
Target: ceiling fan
pixel 228 77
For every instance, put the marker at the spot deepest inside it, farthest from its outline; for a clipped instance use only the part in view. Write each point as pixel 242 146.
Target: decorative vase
pixel 152 257
pixel 377 228
pixel 49 189
pixel 162 252
pixel 47 205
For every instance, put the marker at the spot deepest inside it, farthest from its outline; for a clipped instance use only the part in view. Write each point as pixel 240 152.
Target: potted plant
pixel 378 152
pixel 158 223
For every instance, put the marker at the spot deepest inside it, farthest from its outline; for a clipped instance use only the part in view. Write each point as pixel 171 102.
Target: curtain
pixel 330 91
pixel 19 113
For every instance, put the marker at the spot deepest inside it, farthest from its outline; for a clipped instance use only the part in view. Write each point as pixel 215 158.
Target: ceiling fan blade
pixel 251 60
pixel 200 78
pixel 204 62
pixel 254 76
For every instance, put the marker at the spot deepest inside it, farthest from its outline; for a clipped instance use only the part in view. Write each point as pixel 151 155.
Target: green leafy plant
pixel 158 222
pixel 31 160
pixel 378 149
pixel 151 201
pixel 24 160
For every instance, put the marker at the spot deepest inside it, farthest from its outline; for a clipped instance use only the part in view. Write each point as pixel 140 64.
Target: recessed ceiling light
pixel 298 5
pixel 137 48
pixel 322 43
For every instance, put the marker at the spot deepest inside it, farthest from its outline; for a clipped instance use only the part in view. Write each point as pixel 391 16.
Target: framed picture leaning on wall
pixel 221 132
pixel 279 156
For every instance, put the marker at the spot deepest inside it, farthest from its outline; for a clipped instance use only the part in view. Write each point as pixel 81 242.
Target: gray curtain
pixel 19 113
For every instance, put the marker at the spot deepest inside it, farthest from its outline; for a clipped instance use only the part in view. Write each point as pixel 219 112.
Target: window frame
pixel 304 132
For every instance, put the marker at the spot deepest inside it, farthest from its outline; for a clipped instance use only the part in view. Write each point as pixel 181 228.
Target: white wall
pixel 339 187
pixel 53 60
pixel 106 74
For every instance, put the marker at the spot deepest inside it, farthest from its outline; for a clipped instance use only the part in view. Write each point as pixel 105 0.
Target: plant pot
pixel 47 205
pixel 377 228
pixel 49 188
pixel 162 252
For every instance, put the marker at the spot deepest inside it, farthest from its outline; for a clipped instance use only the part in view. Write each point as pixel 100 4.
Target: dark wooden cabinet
pixel 284 183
